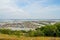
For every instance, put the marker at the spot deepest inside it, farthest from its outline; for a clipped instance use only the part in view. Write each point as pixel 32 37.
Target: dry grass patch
pixel 12 37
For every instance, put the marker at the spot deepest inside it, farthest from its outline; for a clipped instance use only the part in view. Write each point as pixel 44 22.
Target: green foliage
pixel 51 30
pixel 10 32
pixel 34 33
pixel 39 33
pixel 58 29
pixel 30 33
pixel 47 30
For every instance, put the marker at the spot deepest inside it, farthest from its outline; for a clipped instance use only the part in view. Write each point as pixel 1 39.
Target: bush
pixel 35 33
pixel 47 30
pixel 58 29
pixel 50 30
pixel 10 32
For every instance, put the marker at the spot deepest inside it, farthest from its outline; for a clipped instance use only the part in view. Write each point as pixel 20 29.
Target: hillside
pixel 25 24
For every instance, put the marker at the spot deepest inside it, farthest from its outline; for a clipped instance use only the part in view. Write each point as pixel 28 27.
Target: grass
pixel 12 37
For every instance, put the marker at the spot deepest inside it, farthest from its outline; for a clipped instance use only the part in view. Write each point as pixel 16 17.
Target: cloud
pixel 39 11
pixel 29 9
pixel 9 10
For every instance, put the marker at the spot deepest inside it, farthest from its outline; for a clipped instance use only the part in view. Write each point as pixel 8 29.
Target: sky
pixel 29 9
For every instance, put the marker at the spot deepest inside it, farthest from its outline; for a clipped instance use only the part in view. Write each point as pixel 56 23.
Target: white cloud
pixel 39 11
pixel 9 10
pixel 35 9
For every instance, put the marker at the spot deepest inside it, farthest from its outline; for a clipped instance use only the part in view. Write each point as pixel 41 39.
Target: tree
pixel 58 29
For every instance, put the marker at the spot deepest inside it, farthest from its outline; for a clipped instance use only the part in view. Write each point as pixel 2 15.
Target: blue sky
pixel 29 9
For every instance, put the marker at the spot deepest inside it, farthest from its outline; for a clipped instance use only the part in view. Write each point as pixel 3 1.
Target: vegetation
pixel 8 37
pixel 47 30
pixel 10 32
